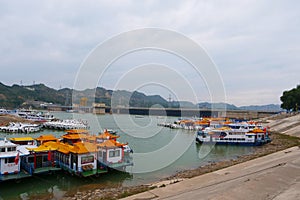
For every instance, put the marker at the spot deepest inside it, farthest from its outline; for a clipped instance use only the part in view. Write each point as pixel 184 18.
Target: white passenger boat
pixel 9 159
pixel 34 115
pixel 226 135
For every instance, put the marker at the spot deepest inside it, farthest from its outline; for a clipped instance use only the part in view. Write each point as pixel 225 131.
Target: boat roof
pixel 21 139
pixel 24 149
pixel 107 135
pixel 110 144
pixel 77 131
pixel 77 148
pixel 6 143
pixel 83 147
pixel 74 136
pixel 257 130
pixel 223 128
pixel 46 138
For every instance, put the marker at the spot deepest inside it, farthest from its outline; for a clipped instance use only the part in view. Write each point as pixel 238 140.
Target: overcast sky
pixel 254 44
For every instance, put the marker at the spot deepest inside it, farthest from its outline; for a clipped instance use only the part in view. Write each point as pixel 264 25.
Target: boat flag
pixel 49 155
pixel 17 158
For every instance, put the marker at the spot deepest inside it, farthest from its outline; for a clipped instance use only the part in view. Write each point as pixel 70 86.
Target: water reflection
pixel 56 185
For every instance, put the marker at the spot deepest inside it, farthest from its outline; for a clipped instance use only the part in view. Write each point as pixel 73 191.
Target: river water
pixel 159 152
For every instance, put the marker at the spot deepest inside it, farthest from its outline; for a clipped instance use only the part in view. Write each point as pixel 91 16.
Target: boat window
pixel 11 148
pixel 9 160
pixel 45 158
pixel 2 149
pixel 30 159
pixel 115 153
pixel 87 159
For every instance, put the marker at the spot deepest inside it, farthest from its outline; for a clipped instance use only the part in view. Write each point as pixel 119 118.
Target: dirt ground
pixel 5 119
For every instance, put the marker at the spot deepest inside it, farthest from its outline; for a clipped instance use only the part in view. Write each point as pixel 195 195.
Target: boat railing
pixel 28 167
pixel 47 164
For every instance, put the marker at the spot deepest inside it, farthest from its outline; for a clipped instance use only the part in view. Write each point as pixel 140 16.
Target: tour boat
pixel 226 135
pixel 34 115
pixel 9 160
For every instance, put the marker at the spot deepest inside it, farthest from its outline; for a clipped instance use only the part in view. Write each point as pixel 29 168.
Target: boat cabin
pixel 114 154
pixel 9 158
pixel 39 160
pixel 79 158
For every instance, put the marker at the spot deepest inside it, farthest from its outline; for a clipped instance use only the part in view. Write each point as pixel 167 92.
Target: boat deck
pixel 14 176
pixel 46 169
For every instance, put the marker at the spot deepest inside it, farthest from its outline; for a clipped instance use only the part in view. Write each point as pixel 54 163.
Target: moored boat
pixel 226 135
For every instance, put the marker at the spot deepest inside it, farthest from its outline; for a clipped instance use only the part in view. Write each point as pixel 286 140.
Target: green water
pixel 158 153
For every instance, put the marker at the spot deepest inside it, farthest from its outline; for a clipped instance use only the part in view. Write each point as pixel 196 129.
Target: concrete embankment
pixel 286 124
pixel 275 176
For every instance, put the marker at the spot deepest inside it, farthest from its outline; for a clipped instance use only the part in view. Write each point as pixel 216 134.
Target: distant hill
pixel 24 96
pixel 207 105
pixel 269 107
pixel 33 95
pixel 15 96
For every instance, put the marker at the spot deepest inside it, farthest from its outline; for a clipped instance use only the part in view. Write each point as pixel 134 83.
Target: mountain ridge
pixel 16 96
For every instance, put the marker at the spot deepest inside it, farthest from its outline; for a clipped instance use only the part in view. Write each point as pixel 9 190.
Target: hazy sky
pixel 254 44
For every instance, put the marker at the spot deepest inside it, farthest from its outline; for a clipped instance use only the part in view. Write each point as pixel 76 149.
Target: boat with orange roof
pixel 227 135
pixel 83 154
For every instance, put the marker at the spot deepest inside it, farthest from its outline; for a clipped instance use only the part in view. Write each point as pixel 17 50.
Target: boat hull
pixel 232 143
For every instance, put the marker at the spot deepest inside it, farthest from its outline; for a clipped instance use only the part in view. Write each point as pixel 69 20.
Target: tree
pixel 291 99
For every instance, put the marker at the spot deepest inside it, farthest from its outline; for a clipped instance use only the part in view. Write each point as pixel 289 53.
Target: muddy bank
pixel 279 142
pixel 5 119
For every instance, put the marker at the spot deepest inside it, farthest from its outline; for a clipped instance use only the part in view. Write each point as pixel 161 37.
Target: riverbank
pixel 275 176
pixel 279 142
pixel 5 119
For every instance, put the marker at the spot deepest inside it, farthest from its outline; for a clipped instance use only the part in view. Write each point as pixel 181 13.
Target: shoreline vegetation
pixel 116 191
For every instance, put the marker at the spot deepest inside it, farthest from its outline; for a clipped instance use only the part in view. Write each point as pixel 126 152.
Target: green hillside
pixel 17 96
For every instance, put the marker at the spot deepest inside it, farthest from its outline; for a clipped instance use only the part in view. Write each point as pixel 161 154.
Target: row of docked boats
pixel 223 131
pixel 29 114
pixel 66 124
pixel 192 124
pixel 77 152
pixel 13 127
